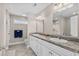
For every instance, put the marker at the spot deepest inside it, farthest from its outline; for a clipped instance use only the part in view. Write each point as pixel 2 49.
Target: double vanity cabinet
pixel 44 48
pixel 40 47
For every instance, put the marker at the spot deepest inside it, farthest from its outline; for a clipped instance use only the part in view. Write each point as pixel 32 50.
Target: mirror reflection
pixel 66 19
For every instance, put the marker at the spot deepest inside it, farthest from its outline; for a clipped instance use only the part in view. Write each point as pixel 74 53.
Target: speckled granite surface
pixel 70 45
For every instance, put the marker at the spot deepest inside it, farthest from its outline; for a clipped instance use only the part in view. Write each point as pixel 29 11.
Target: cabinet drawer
pixel 41 45
pixel 0 53
pixel 76 54
pixel 57 49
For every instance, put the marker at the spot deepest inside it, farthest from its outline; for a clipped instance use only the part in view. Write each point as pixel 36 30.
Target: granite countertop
pixel 70 45
pixel 69 38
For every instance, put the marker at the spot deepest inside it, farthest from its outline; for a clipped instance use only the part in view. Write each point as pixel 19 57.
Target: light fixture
pixel 24 15
pixel 66 7
pixel 70 5
pixel 74 13
pixel 40 18
pixel 56 4
pixel 35 4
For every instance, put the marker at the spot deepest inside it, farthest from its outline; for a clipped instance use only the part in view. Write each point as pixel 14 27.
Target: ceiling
pixel 25 8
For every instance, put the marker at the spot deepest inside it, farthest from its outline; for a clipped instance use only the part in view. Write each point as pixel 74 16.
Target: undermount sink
pixel 56 40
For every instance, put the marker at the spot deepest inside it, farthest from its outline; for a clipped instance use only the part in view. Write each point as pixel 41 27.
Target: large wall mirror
pixel 66 20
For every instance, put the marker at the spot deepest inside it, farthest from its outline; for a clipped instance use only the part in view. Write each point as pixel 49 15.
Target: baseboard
pixel 20 42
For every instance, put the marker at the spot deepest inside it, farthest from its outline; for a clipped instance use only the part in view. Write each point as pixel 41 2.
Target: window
pixel 20 22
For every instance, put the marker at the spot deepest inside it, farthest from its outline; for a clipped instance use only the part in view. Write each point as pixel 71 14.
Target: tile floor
pixel 19 50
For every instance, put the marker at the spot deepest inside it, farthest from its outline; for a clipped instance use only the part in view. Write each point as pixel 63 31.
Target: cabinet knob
pixel 50 52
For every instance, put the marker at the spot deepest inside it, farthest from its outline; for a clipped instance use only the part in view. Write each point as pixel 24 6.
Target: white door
pixel 7 28
pixel 45 51
pixel 74 25
pixel 32 42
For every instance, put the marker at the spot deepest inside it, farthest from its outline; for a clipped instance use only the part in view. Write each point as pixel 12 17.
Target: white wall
pixel 48 24
pixel 31 27
pixel 3 22
pixel 39 26
pixel 15 26
pixel 47 13
pixel 66 26
pixel 1 26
